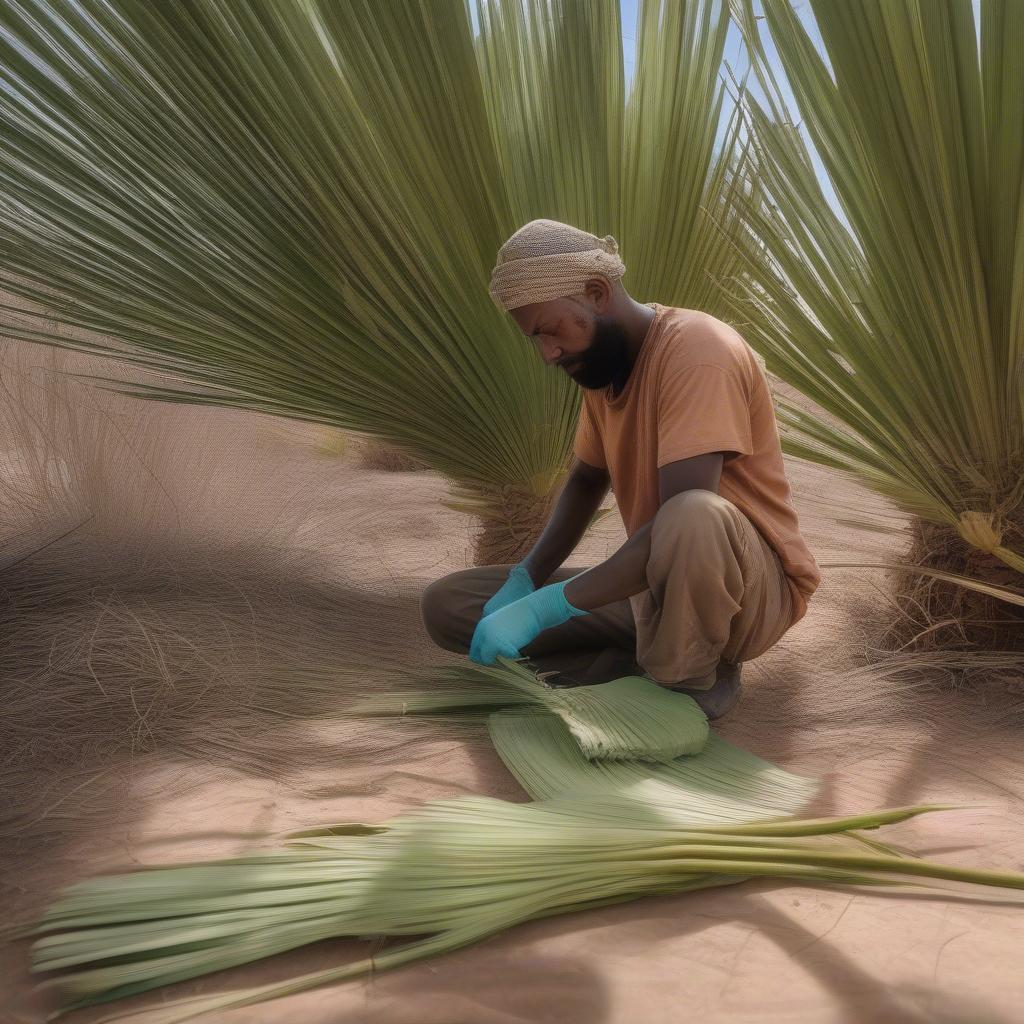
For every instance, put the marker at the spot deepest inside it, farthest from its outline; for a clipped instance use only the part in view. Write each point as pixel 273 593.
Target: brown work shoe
pixel 722 696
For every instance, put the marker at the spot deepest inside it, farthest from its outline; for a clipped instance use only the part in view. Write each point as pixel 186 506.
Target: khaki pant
pixel 716 590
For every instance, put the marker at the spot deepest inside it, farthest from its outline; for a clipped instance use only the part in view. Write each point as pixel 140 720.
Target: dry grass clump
pixel 158 605
pixel 372 453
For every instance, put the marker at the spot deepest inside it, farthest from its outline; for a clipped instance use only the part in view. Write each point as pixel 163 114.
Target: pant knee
pixel 436 603
pixel 432 606
pixel 697 499
pixel 691 513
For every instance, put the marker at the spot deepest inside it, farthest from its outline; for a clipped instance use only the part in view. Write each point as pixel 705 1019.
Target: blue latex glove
pixel 518 584
pixel 511 628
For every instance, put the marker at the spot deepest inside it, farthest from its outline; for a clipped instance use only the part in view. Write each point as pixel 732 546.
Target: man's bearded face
pixel 606 360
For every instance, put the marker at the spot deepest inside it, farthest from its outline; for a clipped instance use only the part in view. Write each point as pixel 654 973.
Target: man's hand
pixel 509 629
pixel 518 584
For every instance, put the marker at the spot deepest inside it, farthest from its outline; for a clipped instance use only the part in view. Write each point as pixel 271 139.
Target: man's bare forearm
pixel 617 577
pixel 576 505
pixel 625 573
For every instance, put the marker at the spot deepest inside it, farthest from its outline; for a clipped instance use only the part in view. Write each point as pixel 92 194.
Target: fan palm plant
pixel 295 208
pixel 904 318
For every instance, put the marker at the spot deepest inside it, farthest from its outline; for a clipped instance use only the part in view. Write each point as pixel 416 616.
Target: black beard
pixel 607 360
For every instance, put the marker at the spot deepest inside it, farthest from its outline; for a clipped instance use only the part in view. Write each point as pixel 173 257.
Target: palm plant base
pixel 945 616
pixel 510 525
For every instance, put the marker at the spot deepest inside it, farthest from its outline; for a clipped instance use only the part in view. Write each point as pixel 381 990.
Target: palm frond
pixel 458 870
pixel 294 208
pixel 627 719
pixel 903 315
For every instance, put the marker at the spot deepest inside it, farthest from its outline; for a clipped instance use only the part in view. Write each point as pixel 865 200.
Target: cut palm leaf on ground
pixel 459 870
pixel 626 719
pixel 456 870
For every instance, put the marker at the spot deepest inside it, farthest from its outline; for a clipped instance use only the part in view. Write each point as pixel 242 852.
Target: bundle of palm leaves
pixel 455 871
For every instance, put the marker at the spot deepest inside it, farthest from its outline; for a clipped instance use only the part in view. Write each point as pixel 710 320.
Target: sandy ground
pixel 358 549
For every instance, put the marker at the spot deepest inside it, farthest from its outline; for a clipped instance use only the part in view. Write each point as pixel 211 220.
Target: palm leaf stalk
pixel 904 319
pixel 295 208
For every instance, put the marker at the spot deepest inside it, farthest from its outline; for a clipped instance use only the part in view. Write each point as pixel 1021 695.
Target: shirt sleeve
pixel 701 409
pixel 588 446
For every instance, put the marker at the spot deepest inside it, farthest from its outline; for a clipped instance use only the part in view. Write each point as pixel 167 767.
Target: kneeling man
pixel 677 418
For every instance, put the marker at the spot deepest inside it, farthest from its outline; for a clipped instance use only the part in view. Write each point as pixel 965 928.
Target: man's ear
pixel 598 291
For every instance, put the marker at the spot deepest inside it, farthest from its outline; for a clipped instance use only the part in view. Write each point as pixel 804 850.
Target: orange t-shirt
pixel 696 387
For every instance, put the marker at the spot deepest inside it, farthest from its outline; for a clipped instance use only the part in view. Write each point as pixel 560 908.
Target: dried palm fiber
pixel 627 719
pixel 511 520
pixel 385 457
pixel 547 259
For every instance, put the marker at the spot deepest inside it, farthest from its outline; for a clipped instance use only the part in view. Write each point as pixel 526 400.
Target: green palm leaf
pixel 626 719
pixel 457 870
pixel 295 208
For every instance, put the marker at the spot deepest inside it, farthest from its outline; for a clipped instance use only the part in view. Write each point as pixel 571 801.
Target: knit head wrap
pixel 546 259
